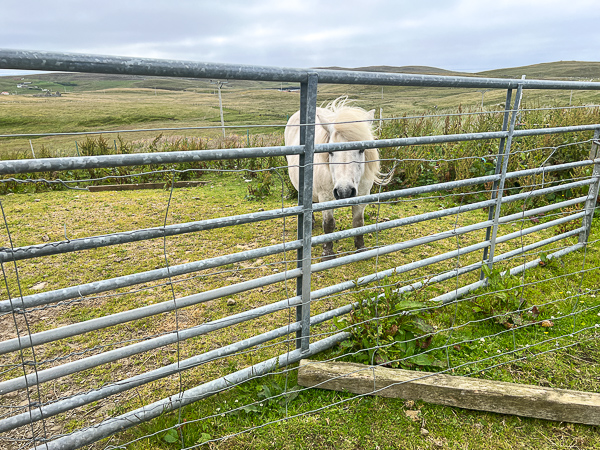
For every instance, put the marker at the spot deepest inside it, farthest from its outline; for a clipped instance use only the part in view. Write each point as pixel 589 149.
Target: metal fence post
pixel 499 190
pixel 308 103
pixel 590 203
pixel 492 209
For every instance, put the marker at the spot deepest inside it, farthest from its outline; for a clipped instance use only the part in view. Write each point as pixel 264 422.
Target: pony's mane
pixel 355 124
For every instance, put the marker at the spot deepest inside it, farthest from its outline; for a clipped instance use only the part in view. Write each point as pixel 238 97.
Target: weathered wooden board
pixel 470 393
pixel 133 187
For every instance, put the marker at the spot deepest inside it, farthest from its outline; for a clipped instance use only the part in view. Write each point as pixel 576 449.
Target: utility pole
pixel 483 91
pixel 219 85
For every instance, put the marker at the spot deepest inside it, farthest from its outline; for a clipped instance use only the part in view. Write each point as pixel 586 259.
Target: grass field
pixel 352 423
pixel 109 103
pixel 469 341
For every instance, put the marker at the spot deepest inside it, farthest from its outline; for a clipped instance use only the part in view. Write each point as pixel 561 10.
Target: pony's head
pixel 347 168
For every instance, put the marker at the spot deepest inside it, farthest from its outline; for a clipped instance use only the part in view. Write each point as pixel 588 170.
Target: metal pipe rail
pixel 53 248
pixel 74 245
pixel 135 417
pixel 36 300
pixel 165 371
pixel 118 318
pixel 73 62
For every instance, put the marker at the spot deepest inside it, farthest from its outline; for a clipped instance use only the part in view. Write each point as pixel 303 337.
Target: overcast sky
pixel 462 35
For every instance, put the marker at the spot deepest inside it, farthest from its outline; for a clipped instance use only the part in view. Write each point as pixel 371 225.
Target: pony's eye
pixel 361 151
pixel 330 153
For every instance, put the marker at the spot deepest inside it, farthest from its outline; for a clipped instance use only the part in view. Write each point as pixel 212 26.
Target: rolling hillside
pixel 557 70
pixel 79 82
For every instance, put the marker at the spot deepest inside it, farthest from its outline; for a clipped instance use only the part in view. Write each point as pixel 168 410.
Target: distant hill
pixel 559 69
pixel 425 70
pixel 552 70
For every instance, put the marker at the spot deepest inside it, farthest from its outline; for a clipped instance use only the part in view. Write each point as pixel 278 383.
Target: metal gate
pixel 31 408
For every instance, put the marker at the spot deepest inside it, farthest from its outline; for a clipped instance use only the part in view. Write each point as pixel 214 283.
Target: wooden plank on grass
pixel 470 393
pixel 133 187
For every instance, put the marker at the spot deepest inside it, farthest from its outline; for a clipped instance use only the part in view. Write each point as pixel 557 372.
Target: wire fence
pixel 185 311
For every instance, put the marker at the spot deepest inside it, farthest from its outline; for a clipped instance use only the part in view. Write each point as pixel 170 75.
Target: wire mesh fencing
pixel 185 311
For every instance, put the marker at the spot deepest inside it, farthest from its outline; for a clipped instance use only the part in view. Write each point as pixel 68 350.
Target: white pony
pixel 342 174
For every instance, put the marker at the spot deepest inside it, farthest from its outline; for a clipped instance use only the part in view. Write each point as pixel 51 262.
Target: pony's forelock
pixel 355 124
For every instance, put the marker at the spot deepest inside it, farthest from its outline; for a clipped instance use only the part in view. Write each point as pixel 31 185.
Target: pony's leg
pixel 358 220
pixel 328 227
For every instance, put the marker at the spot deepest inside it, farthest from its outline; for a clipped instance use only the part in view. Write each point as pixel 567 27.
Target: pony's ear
pixel 371 115
pixel 325 122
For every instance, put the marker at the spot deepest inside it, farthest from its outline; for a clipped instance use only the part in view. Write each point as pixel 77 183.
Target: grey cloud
pixel 456 34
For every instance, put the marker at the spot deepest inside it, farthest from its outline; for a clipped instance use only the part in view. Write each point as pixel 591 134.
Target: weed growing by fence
pixel 388 329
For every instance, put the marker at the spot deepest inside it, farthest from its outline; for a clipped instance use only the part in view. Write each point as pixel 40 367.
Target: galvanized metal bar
pixel 42 412
pixel 110 284
pixel 503 171
pixel 393 195
pixel 42 376
pixel 520 133
pixel 305 199
pixel 409 141
pixel 408 220
pixel 540 227
pixel 139 159
pixel 539 244
pixel 145 413
pixel 441 139
pixel 74 245
pixel 555 130
pixel 590 204
pixel 540 210
pixel 43 337
pixel 72 62
pixel 53 248
pixel 498 168
pixel 549 169
pixel 462 291
pixel 387 249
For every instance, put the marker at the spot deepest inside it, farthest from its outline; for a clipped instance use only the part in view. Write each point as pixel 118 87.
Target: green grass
pixel 373 422
pixel 351 423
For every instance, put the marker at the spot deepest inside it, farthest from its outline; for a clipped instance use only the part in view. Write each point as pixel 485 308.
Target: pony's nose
pixel 344 192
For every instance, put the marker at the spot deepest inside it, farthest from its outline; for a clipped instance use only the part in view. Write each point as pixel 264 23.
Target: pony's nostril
pixel 344 192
